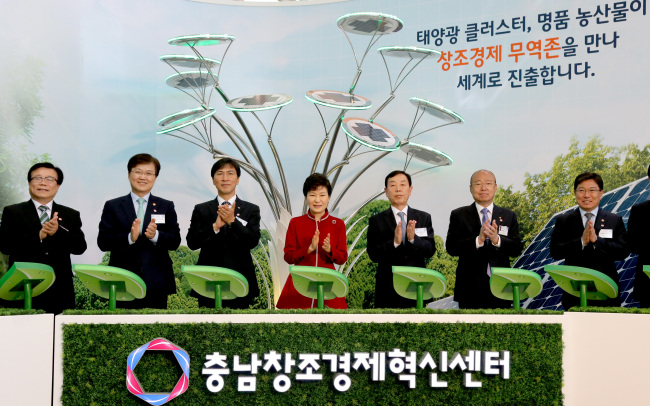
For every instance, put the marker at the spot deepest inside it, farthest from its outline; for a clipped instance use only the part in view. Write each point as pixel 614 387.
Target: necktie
pixel 140 212
pixel 589 216
pixel 44 217
pixel 402 218
pixel 225 203
pixel 483 220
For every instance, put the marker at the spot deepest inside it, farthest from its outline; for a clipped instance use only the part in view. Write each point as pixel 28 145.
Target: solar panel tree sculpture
pixel 199 77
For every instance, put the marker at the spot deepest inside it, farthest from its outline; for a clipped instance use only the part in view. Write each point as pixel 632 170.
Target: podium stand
pixel 584 283
pixel 25 280
pixel 216 283
pixel 319 283
pixel 515 284
pixel 111 283
pixel 419 284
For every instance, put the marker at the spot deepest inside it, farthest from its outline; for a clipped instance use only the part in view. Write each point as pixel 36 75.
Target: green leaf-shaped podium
pixel 584 283
pixel 419 284
pixel 25 280
pixel 111 283
pixel 515 284
pixel 216 283
pixel 319 283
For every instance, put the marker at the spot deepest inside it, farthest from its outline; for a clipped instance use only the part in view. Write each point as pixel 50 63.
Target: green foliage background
pixel 94 360
pixel 544 194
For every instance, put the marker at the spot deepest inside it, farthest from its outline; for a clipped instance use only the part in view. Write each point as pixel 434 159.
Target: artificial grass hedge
pixel 94 362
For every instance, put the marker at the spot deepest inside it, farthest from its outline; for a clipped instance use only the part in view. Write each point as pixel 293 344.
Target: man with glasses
pixel 139 229
pixel 482 235
pixel 42 231
pixel 589 236
pixel 638 226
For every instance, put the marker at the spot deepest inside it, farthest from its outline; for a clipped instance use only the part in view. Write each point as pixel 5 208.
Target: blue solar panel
pixel 537 255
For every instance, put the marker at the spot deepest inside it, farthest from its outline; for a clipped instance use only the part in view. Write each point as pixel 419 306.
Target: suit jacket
pixel 638 235
pixel 148 260
pixel 600 256
pixel 230 247
pixel 19 238
pixel 381 233
pixel 472 281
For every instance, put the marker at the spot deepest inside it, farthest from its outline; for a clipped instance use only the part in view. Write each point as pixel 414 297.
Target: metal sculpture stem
pixel 354 179
pixel 267 175
pixel 384 104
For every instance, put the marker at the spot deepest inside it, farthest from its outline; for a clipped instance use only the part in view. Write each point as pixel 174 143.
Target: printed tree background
pixel 20 105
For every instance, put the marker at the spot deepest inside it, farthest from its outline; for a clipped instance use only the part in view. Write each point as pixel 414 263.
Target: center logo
pixel 159 344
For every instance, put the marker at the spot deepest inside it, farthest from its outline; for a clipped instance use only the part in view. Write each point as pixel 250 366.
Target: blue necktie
pixel 483 220
pixel 140 212
pixel 402 218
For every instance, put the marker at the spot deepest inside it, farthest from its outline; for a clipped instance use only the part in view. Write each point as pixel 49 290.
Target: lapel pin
pixel 154 210
pixel 154 204
pixel 333 221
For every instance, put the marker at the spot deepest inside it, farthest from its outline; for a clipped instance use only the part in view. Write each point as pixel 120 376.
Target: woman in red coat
pixel 314 239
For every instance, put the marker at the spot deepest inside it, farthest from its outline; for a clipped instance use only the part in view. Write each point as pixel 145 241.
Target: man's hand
pixel 410 230
pixel 314 242
pixel 150 232
pixel 50 227
pixel 326 244
pixel 218 223
pixel 135 230
pixel 398 233
pixel 227 213
pixel 589 235
pixel 492 231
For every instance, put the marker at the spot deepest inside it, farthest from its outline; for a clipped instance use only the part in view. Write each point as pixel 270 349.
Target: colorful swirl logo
pixel 159 344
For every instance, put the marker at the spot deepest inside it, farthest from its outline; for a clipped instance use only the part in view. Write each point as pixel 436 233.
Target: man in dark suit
pixel 589 237
pixel 139 229
pixel 42 231
pixel 226 229
pixel 400 235
pixel 638 234
pixel 482 235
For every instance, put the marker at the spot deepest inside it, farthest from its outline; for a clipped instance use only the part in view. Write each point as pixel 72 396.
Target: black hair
pixel 395 173
pixel 586 176
pixel 139 159
pixel 223 162
pixel 314 181
pixel 59 172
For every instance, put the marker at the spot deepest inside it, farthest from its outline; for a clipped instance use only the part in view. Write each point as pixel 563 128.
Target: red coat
pixel 299 235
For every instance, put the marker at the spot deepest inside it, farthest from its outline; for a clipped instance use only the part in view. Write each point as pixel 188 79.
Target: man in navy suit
pixel 139 229
pixel 482 235
pixel 400 235
pixel 589 236
pixel 226 229
pixel 638 234
pixel 43 231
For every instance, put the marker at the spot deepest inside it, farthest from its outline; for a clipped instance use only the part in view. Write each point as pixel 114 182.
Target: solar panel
pixel 537 255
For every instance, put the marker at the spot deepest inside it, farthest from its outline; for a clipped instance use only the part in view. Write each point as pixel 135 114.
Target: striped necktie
pixel 44 217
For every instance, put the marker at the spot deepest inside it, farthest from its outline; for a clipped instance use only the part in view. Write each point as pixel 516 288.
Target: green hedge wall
pixel 94 362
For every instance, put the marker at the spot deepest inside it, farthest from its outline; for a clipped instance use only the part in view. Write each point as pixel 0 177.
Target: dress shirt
pixel 48 205
pixel 135 198
pixel 220 200
pixel 584 220
pixel 480 218
pixel 397 220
